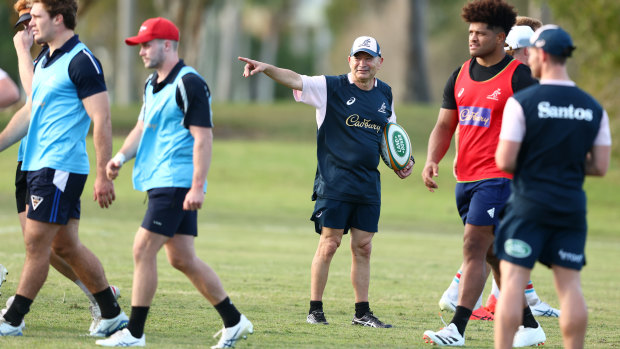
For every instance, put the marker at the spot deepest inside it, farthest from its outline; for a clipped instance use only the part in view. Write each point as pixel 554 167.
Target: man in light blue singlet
pixel 68 91
pixel 176 120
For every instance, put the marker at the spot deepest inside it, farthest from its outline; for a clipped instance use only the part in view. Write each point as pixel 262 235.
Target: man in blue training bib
pixel 68 91
pixel 553 135
pixel 351 112
pixel 172 144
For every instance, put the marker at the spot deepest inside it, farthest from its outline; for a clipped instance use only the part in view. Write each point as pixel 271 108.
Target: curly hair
pixel 529 21
pixel 495 13
pixel 66 8
pixel 21 5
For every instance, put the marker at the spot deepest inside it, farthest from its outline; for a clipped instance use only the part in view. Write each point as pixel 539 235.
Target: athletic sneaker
pixel 317 317
pixel 230 335
pixel 369 320
pixel 527 337
pixel 448 336
pixel 543 309
pixel 491 303
pixel 122 338
pixel 3 273
pixel 105 327
pixel 95 311
pixel 482 314
pixel 446 303
pixel 6 329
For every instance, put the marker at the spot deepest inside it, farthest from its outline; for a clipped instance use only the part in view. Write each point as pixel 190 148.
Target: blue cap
pixel 553 40
pixel 367 44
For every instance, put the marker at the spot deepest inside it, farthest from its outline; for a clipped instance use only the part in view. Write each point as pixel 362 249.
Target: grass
pixel 255 232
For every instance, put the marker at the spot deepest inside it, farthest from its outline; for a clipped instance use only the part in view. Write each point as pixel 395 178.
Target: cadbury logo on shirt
pixel 475 116
pixel 354 121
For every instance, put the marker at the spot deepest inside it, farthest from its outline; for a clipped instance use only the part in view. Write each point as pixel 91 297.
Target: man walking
pixel 172 144
pixel 68 81
pixel 553 135
pixel 474 99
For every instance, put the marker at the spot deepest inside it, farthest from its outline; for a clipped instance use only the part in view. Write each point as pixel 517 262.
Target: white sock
pixel 530 294
pixel 453 290
pixel 86 291
pixel 495 289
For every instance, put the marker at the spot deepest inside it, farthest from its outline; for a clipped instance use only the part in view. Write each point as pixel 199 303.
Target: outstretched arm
pixel 285 77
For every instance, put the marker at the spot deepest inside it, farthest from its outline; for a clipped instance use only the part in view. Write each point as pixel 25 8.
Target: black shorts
pixel 337 214
pixel 54 195
pixel 522 240
pixel 21 188
pixel 165 214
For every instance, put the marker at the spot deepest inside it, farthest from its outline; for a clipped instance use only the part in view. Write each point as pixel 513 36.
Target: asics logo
pixel 351 101
pixel 319 214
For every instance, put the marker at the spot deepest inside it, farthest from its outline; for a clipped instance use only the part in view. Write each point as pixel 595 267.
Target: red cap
pixel 155 28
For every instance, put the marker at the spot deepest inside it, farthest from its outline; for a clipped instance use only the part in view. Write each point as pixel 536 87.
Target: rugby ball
pixel 395 146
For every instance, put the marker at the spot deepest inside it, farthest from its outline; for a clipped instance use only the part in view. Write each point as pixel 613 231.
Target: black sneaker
pixel 317 317
pixel 369 320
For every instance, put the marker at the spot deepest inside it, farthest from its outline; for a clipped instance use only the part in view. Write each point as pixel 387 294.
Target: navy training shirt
pixel 350 127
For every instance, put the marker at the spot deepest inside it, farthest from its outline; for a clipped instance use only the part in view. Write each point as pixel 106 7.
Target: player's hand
pixel 252 67
pixel 112 168
pixel 23 39
pixel 431 169
pixel 104 192
pixel 405 172
pixel 193 200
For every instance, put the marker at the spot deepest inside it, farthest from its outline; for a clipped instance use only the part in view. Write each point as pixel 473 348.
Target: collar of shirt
pixel 557 82
pixel 66 47
pixel 170 78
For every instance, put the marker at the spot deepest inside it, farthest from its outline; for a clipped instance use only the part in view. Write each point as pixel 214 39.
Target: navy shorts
pixel 337 214
pixel 480 202
pixel 54 195
pixel 522 240
pixel 165 214
pixel 21 188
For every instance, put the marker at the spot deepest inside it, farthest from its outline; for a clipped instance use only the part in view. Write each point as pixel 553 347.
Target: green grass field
pixel 255 232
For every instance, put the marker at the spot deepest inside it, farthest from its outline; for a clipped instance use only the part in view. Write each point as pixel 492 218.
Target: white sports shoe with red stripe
pixel 95 312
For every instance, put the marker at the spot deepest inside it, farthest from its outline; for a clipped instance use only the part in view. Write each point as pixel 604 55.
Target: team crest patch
pixel 35 201
pixel 495 95
pixel 491 212
pixel 517 248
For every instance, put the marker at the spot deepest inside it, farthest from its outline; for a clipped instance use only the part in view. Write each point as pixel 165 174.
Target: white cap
pixel 518 37
pixel 367 44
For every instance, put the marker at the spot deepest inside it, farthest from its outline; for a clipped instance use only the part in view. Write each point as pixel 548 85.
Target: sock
pixel 361 309
pixel 108 305
pixel 229 314
pixel 16 312
pixel 86 291
pixel 495 290
pixel 137 321
pixel 460 319
pixel 528 318
pixel 453 289
pixel 316 306
pixel 530 294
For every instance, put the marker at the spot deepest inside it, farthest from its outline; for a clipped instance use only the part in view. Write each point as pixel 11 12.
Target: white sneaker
pixel 230 335
pixel 122 338
pixel 543 309
pixel 448 336
pixel 95 311
pixel 446 303
pixel 106 327
pixel 6 329
pixel 527 336
pixel 3 272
